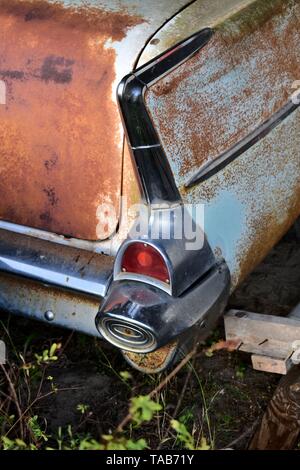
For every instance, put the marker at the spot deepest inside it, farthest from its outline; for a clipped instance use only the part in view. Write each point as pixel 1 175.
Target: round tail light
pixel 144 259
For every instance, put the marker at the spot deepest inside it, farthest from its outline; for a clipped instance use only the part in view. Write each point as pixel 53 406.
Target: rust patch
pixel 270 201
pixel 12 74
pixel 60 158
pixel 57 69
pixel 32 299
pixel 50 193
pixel 241 78
pixel 154 362
pixel 83 18
pixel 52 160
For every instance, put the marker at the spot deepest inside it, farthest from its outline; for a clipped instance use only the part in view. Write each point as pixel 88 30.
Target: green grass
pixel 196 409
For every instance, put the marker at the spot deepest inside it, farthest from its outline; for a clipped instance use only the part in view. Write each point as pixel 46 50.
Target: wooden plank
pixel 271 364
pixel 256 328
pixel 268 338
pixel 271 348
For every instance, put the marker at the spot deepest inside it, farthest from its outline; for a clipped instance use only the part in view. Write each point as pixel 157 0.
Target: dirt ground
pixel 223 397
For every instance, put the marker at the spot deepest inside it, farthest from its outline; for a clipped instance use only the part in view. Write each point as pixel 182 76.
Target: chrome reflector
pixel 127 336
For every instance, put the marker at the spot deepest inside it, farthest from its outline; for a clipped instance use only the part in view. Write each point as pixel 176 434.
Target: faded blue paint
pixel 255 192
pixel 224 222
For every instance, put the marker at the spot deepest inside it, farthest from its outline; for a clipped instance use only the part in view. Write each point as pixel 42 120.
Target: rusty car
pixel 166 114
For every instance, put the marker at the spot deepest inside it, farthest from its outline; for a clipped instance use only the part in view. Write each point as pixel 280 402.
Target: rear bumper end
pixel 139 318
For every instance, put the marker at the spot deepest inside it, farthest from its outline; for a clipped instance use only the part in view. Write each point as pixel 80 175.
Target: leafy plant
pixel 143 408
pixel 113 443
pixel 126 375
pixel 16 444
pixel 48 355
pixel 240 371
pixel 34 427
pixel 83 409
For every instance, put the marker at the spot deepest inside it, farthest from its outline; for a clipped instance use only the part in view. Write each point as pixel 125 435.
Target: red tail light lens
pixel 143 259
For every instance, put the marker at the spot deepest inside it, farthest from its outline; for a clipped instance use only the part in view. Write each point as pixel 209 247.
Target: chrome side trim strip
pixel 56 265
pixel 157 180
pixel 50 277
pixel 145 146
pixel 210 168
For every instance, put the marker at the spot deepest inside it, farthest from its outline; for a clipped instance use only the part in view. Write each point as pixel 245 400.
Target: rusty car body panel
pixel 61 135
pixel 167 104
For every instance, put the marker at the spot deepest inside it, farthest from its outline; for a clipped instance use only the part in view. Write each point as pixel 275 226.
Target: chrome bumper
pixel 53 283
pixel 55 264
pixel 36 301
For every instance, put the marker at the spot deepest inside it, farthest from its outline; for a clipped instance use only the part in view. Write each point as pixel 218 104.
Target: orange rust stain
pixel 152 363
pixel 221 119
pixel 89 19
pixel 59 155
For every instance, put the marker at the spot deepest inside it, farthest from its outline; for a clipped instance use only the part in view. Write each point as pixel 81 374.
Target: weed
pixel 83 409
pixel 142 409
pixel 240 371
pixel 176 410
pixel 48 355
pixel 187 439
